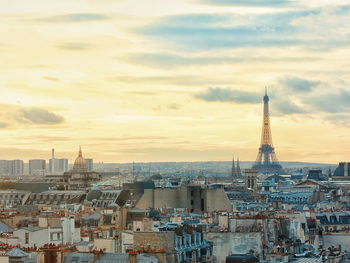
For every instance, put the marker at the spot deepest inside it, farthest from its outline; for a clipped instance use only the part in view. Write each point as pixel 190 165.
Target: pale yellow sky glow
pixel 174 80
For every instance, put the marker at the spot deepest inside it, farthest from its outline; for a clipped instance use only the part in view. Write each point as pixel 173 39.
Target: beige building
pixel 13 198
pixel 195 198
pixel 250 178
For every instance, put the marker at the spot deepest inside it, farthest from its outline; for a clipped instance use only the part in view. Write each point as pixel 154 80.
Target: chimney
pixel 133 256
pixel 53 160
pixel 346 169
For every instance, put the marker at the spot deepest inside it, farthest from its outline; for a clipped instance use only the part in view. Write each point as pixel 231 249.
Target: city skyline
pixel 180 82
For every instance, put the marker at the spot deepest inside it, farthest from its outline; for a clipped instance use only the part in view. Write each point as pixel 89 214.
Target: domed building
pixel 80 163
pixel 79 177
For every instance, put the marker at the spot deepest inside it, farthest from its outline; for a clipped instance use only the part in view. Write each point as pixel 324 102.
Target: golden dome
pixel 80 164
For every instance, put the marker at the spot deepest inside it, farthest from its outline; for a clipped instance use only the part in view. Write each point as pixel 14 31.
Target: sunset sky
pixel 174 80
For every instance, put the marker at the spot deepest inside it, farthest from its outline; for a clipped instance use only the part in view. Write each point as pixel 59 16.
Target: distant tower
pixel 250 178
pixel 267 162
pixel 90 164
pixel 53 160
pixel 238 170
pixel 233 169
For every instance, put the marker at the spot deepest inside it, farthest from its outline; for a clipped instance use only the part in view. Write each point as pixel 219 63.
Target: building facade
pixel 37 167
pixel 195 198
pixel 11 167
pixel 58 165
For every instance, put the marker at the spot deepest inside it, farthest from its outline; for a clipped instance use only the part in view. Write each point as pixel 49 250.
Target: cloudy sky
pixel 174 80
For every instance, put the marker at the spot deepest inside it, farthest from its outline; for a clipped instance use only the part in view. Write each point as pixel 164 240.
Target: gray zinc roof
pixel 5 228
pixel 16 252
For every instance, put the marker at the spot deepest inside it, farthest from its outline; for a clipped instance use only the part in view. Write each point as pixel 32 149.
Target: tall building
pixel 58 165
pixel 267 162
pixel 3 167
pixel 11 167
pixel 62 165
pixel 37 167
pixel 52 163
pixel 17 167
pixel 89 164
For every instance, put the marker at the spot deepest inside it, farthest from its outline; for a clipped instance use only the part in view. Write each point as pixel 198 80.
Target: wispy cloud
pixel 279 29
pixel 180 80
pixel 261 3
pixel 15 115
pixel 3 124
pixel 76 17
pixel 332 101
pixel 292 95
pixel 36 115
pixel 339 119
pixel 298 84
pixel 173 106
pixel 229 95
pixel 286 107
pixel 175 60
pixel 222 31
pixel 51 78
pixel 75 46
pixel 171 61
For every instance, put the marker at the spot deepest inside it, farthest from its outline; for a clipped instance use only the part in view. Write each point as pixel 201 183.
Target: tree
pixel 7 185
pixel 156 177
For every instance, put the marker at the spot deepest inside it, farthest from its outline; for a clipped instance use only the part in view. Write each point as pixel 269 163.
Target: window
pixel 26 237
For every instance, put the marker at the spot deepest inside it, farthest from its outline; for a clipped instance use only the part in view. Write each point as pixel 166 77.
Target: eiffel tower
pixel 266 162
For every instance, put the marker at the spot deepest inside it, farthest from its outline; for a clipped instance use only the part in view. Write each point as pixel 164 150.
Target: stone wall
pixel 234 243
pixel 213 199
pixel 155 240
pixel 216 199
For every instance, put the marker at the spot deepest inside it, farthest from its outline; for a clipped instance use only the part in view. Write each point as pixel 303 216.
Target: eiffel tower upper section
pixel 267 162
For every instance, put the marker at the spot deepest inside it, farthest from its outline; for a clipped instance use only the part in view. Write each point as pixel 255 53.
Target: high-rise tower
pixel 267 162
pixel 53 161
